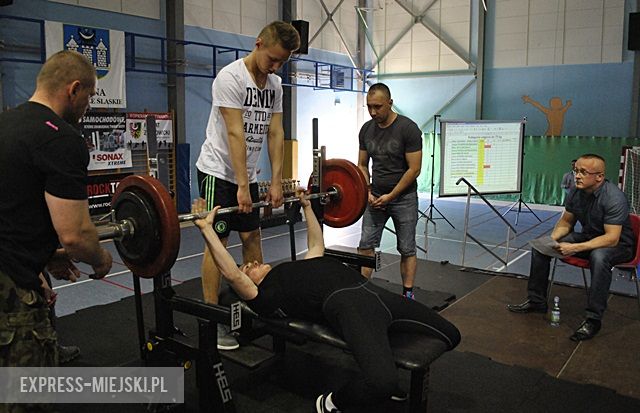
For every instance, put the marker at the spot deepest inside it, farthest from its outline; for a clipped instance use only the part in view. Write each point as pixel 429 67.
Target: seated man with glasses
pixel 606 239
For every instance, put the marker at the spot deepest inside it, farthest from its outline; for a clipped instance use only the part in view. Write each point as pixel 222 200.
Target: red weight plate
pixel 160 261
pixel 349 205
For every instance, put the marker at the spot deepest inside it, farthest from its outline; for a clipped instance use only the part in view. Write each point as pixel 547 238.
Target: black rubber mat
pixel 461 381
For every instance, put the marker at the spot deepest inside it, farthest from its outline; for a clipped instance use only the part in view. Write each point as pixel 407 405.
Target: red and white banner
pixel 136 130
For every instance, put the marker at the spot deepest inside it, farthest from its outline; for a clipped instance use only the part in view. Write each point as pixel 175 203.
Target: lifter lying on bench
pixel 324 290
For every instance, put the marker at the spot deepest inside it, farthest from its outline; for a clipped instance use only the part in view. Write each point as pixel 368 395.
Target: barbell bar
pixel 145 225
pixel 126 227
pixel 262 204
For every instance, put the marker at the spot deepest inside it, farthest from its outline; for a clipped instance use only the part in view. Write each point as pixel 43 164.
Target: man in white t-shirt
pixel 246 111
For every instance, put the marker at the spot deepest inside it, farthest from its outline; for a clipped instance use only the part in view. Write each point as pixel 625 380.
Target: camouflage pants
pixel 27 338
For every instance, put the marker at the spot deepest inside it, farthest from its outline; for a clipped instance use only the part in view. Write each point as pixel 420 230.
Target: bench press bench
pixel 412 352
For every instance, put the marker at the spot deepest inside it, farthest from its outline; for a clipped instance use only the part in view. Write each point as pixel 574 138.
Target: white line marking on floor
pixel 511 262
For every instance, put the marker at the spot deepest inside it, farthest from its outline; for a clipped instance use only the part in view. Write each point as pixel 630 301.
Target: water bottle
pixel 555 312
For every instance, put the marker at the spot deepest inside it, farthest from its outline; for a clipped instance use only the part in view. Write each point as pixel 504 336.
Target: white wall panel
pixel 511 8
pixel 611 55
pixel 576 55
pixel 401 51
pixel 142 8
pixel 613 36
pixel 613 16
pixel 516 42
pixel 226 6
pixel 425 64
pixel 226 22
pixel 459 31
pixel 577 19
pixel 618 4
pixel 583 4
pixel 256 9
pixel 273 12
pixel 584 37
pixel 428 49
pixel 511 58
pixel 252 26
pixel 541 57
pixel 397 66
pixel 451 62
pixel 579 31
pixel 199 16
pixel 538 40
pixel 454 15
pixel 545 6
pixel 510 25
pixel 544 22
pixel 109 5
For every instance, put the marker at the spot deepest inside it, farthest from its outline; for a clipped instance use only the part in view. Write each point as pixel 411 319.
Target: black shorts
pixel 216 192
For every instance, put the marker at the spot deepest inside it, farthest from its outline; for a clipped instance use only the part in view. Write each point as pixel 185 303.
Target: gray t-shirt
pixel 606 205
pixel 387 148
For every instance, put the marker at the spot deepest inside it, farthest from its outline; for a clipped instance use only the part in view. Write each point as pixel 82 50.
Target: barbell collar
pixel 116 230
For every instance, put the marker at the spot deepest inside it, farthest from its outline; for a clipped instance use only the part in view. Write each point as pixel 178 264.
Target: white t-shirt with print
pixel 234 88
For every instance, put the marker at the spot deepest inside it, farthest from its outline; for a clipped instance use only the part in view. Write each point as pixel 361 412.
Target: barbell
pixel 145 225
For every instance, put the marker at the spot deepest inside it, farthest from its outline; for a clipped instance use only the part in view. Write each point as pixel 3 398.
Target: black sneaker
pixel 67 353
pixel 320 405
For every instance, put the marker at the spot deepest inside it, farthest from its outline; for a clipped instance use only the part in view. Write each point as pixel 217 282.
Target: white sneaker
pixel 399 396
pixel 226 341
pixel 320 408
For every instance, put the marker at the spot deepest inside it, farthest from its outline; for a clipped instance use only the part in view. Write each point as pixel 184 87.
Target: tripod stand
pixel 428 213
pixel 520 202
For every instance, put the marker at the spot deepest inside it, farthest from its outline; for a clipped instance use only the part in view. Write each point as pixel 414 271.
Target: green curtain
pixel 546 159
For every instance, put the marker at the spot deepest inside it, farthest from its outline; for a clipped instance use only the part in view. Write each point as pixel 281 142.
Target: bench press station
pixel 145 229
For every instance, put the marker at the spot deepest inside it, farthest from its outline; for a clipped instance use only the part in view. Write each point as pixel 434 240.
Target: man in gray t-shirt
pixel 606 240
pixel 569 179
pixel 394 143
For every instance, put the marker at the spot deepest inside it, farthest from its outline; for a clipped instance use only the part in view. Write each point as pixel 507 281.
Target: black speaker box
pixel 634 31
pixel 302 26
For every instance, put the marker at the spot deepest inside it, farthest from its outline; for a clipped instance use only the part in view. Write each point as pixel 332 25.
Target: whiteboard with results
pixel 488 154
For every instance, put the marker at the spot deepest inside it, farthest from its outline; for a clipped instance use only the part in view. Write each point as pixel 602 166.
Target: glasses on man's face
pixel 584 172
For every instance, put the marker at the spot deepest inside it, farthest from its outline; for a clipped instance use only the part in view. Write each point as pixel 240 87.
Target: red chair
pixel 583 264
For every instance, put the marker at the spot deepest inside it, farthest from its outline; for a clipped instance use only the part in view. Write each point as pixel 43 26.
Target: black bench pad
pixel 411 351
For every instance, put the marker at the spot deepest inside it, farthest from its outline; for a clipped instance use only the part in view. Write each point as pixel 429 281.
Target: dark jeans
pixel 363 316
pixel 601 262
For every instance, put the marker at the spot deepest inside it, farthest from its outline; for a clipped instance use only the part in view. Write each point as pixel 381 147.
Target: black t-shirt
pixel 387 148
pixel 299 288
pixel 39 152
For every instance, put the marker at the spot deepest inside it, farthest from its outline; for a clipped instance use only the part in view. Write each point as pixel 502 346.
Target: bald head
pixel 65 84
pixel 589 170
pixel 64 68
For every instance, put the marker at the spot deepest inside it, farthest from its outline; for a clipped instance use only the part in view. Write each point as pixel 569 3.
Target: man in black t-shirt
pixel 43 205
pixel 394 144
pixel 325 290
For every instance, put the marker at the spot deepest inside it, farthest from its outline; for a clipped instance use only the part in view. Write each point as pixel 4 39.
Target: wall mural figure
pixel 554 113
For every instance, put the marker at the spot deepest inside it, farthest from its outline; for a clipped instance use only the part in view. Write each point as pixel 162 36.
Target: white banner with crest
pixel 104 48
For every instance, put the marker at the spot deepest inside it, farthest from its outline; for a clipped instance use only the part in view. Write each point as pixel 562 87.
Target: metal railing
pixel 466 234
pixel 148 54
